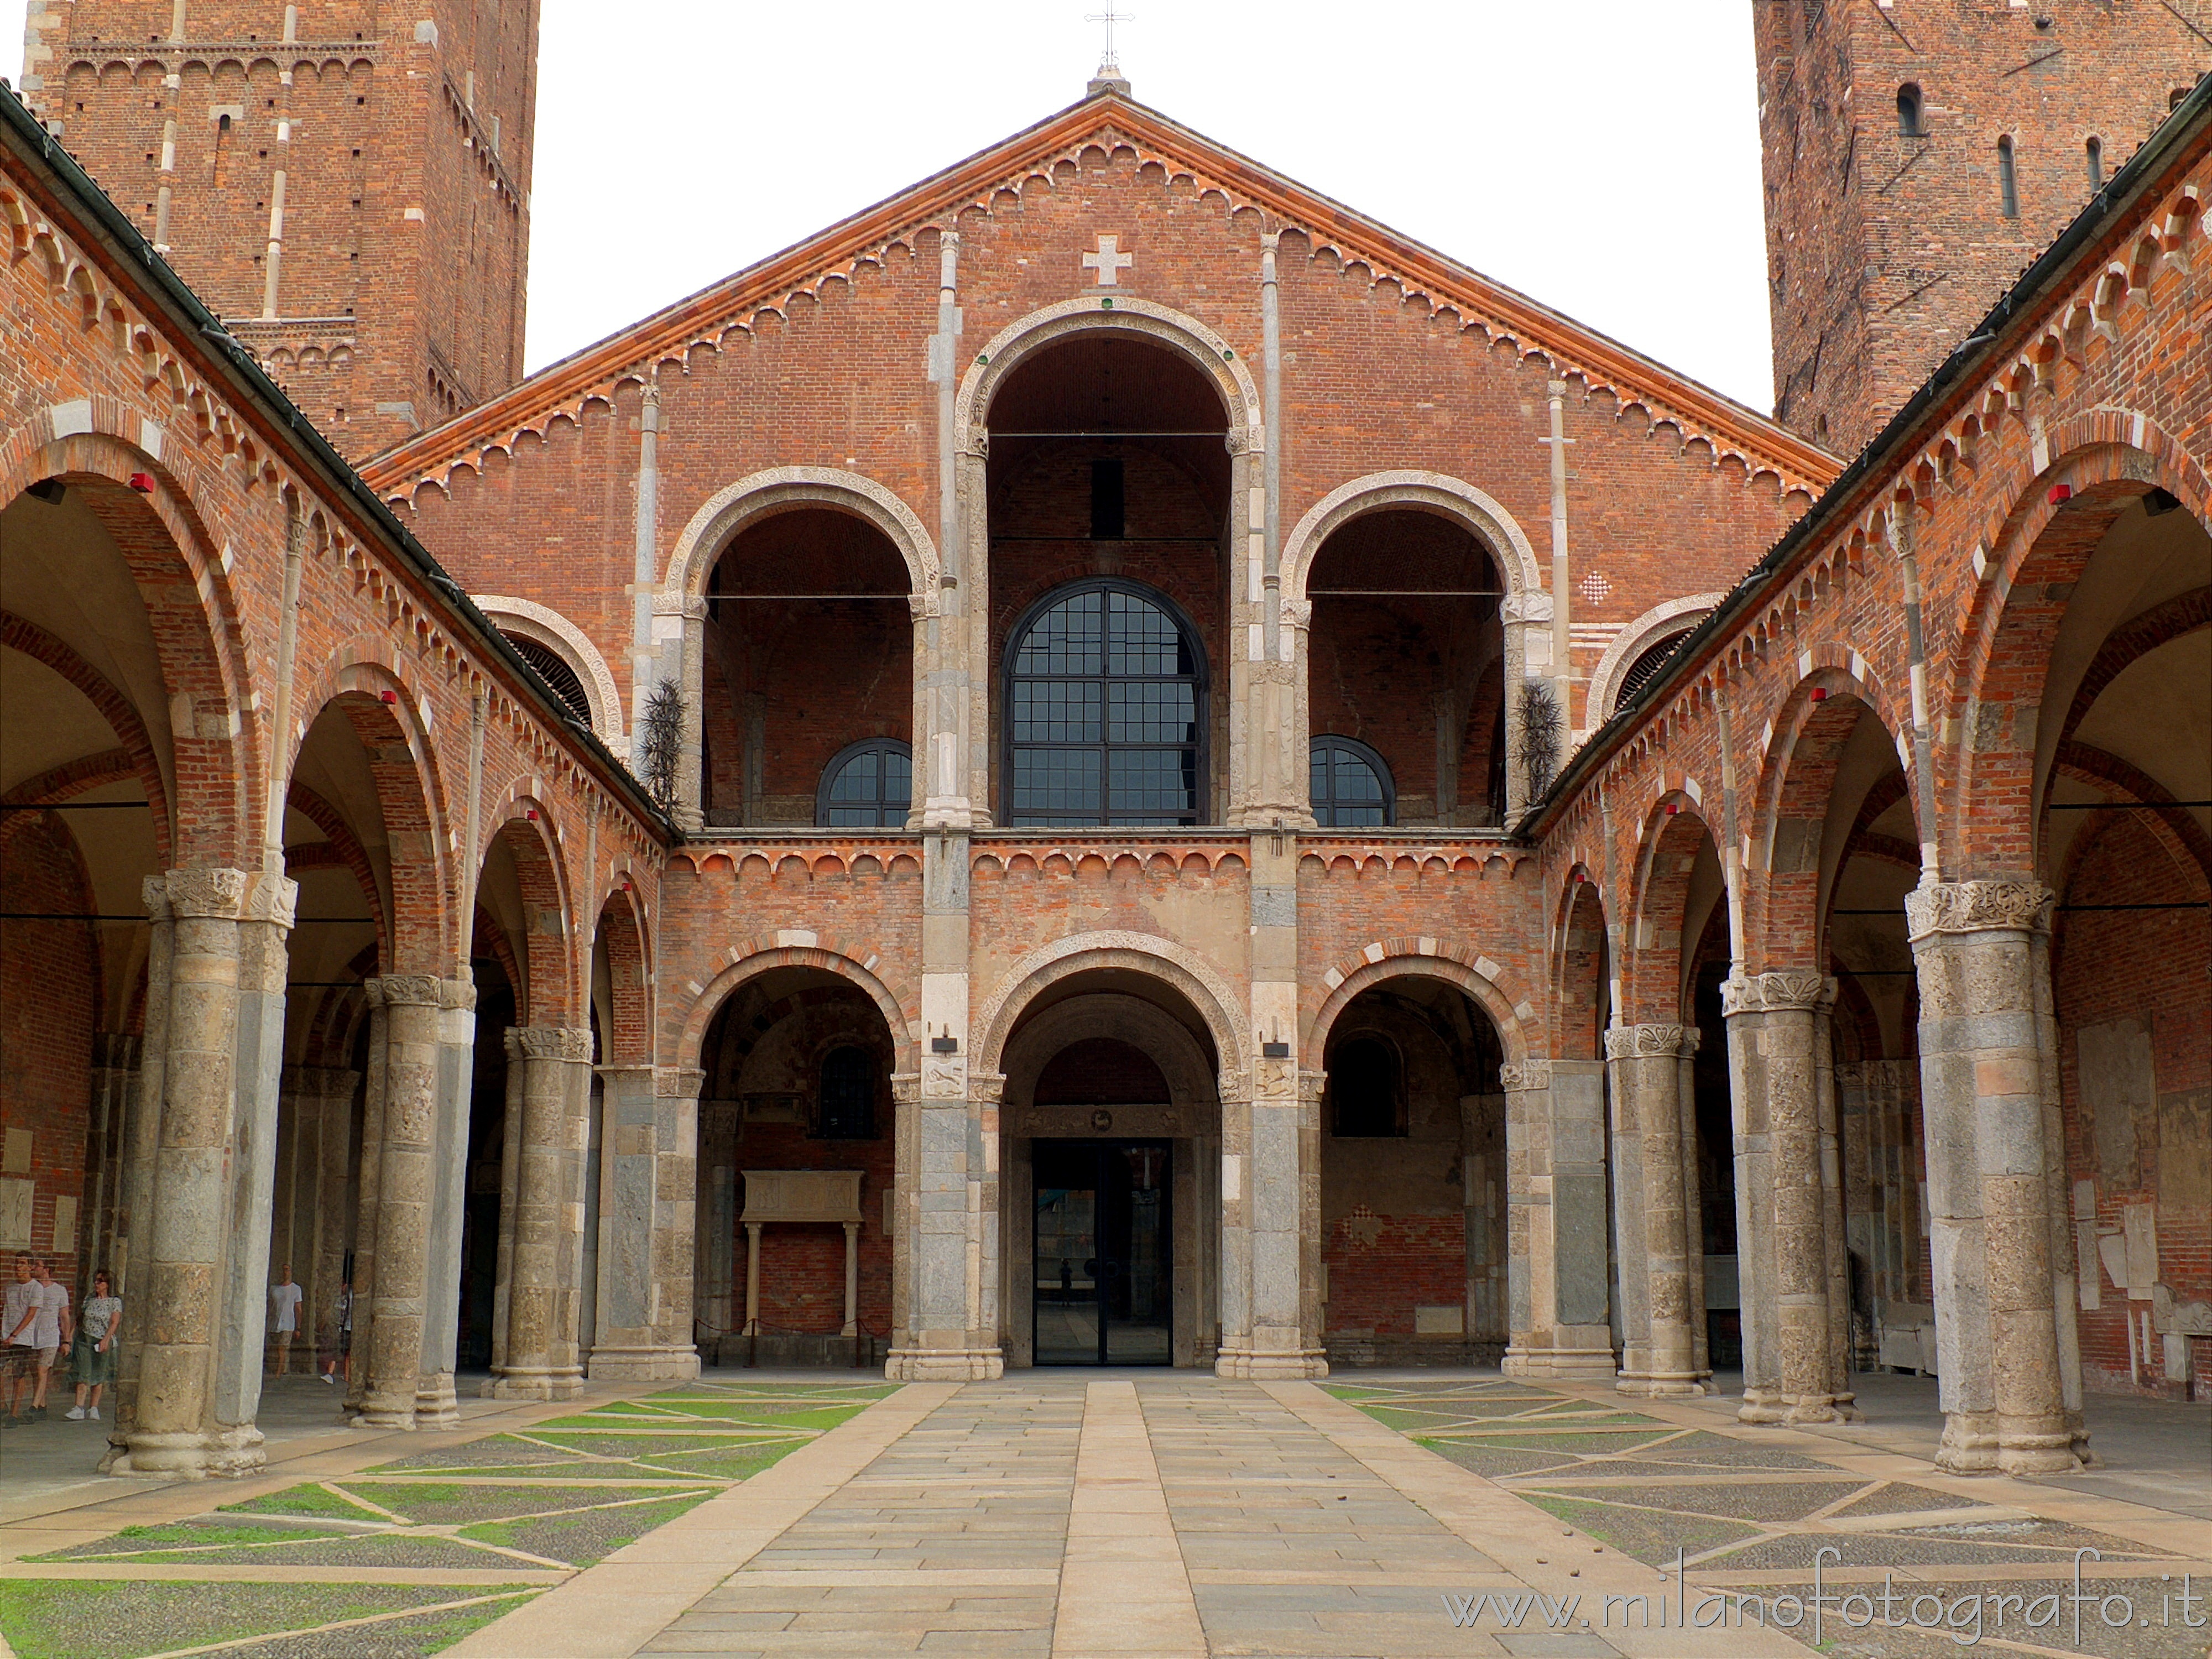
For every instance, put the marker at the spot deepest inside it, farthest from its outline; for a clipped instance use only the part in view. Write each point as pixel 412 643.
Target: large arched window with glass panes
pixel 868 785
pixel 1104 711
pixel 1350 785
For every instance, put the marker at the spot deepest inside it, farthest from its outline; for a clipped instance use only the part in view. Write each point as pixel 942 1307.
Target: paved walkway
pixel 1403 1516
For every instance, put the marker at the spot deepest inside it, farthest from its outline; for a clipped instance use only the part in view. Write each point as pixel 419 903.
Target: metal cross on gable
pixel 1109 17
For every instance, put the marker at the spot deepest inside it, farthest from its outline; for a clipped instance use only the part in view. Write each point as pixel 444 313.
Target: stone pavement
pixel 1066 1513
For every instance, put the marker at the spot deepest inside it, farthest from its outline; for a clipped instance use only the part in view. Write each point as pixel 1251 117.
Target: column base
pixel 1820 1408
pixel 224 1454
pixel 1969 1444
pixel 1660 1385
pixel 435 1404
pixel 521 1384
pixel 1567 1364
pixel 2047 1450
pixel 378 1409
pixel 643 1364
pixel 1761 1406
pixel 944 1365
pixel 1271 1364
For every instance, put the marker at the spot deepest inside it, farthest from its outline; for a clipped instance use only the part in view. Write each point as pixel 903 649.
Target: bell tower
pixel 346 183
pixel 1918 155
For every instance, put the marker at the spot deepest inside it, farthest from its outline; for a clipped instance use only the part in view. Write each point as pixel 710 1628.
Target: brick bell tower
pixel 345 182
pixel 1920 155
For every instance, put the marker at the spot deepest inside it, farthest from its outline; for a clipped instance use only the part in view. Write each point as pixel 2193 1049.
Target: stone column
pixel 510 1175
pixel 646 1256
pixel 1271 1315
pixel 1835 1251
pixel 403 1115
pixel 1693 1207
pixel 714 1247
pixel 1658 1354
pixel 134 1195
pixel 1558 1284
pixel 679 634
pixel 114 1080
pixel 436 1406
pixel 545 1288
pixel 1996 1331
pixel 328 1094
pixel 199 1308
pixel 852 1279
pixel 1782 1196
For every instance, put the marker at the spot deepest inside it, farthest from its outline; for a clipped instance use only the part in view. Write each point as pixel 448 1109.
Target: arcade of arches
pixel 1107 906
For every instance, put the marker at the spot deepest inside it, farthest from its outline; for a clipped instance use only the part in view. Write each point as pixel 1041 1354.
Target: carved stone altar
pixel 802 1195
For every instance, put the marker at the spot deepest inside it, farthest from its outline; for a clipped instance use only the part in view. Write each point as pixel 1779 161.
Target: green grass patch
pixel 580 1537
pixel 433 1504
pixel 46 1618
pixel 1651 1536
pixel 313 1499
pixel 177 1534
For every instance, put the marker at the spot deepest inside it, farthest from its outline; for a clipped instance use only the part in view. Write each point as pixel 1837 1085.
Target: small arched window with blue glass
pixel 869 785
pixel 1350 786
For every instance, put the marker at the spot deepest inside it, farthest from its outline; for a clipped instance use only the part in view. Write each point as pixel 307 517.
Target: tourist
pixel 95 1351
pixel 18 1341
pixel 340 1357
pixel 51 1334
pixel 285 1300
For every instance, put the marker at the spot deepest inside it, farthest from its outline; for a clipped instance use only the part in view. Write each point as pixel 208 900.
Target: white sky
pixel 1602 156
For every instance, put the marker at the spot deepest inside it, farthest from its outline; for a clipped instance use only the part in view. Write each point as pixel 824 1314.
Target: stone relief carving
pixel 1977 906
pixel 1528 1075
pixel 1533 607
pixel 394 990
pixel 1635 1041
pixel 214 895
pixel 678 1082
pixel 1776 992
pixel 552 1043
pixel 943 1077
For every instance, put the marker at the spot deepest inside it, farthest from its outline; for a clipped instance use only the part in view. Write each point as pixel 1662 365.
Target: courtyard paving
pixel 1057 1513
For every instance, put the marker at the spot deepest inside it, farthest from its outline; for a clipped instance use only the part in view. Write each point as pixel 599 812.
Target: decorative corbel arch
pixel 730 509
pixel 550 628
pixel 1669 617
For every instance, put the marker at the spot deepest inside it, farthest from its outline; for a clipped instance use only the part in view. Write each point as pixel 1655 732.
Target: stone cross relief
pixel 1110 262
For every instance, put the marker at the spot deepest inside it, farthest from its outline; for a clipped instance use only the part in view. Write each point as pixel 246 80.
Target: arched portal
pixel 1412 1179
pixel 1111 1135
pixel 796 1098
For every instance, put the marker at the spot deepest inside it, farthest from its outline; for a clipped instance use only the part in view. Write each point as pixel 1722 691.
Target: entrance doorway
pixel 1104 1265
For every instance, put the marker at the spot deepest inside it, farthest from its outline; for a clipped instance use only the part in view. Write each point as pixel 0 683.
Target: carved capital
pixel 1236 440
pixel 207 895
pixel 270 899
pixel 457 993
pixel 987 1088
pixel 906 1088
pixel 1274 1080
pixel 1531 607
pixel 1977 906
pixel 1644 1042
pixel 1776 992
pixel 678 1082
pixel 1528 1075
pixel 548 1042
pixel 692 607
pixel 405 990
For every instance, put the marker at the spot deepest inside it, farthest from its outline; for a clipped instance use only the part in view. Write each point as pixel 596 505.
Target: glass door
pixel 1104 1268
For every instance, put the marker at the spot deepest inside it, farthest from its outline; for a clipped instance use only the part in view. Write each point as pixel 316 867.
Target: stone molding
pixel 1530 1075
pixel 1783 992
pixel 678 1082
pixel 1670 616
pixel 1150 954
pixel 1646 1041
pixel 1977 906
pixel 567 1042
pixel 549 627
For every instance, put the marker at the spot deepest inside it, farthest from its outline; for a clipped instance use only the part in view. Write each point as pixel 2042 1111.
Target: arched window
pixel 1105 711
pixel 868 785
pixel 1351 785
pixel 1908 111
pixel 1363 1090
pixel 2008 179
pixel 553 668
pixel 1641 671
pixel 847 1107
pixel 2094 151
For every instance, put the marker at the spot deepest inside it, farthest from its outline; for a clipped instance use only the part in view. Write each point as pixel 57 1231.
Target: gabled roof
pixel 1112 119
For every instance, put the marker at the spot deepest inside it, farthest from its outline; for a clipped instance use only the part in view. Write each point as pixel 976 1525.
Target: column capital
pixel 409 990
pixel 678 1082
pixel 1977 906
pixel 1789 990
pixel 1526 1078
pixel 548 1042
pixel 209 895
pixel 1647 1042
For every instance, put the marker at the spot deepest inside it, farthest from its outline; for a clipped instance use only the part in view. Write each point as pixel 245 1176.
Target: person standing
pixel 18 1342
pixel 340 1357
pixel 51 1334
pixel 285 1300
pixel 95 1349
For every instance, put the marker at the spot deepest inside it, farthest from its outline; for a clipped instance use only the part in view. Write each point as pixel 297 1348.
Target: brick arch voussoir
pixel 118 710
pixel 1658 900
pixel 327 817
pixel 1482 982
pixel 754 957
pixel 524 826
pixel 2104 460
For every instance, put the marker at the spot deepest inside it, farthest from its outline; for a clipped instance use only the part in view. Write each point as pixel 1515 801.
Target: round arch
pixel 1482 990
pixel 692 1035
pixel 620 932
pixel 1127 1019
pixel 1144 319
pixel 726 513
pixel 1190 974
pixel 1673 832
pixel 1663 620
pixel 550 628
pixel 524 825
pixel 1428 492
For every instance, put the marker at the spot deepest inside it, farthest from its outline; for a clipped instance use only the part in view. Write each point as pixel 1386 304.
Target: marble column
pixel 545 1285
pixel 1835 1250
pixel 1651 1221
pixel 946 1291
pixel 1785 1190
pixel 201 1300
pixel 397 1190
pixel 1271 1314
pixel 1558 1284
pixel 510 1176
pixel 2001 1375
pixel 114 1082
pixel 647 1248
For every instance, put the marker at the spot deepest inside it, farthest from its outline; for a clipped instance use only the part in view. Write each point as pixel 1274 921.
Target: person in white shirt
pixel 19 1352
pixel 51 1334
pixel 285 1300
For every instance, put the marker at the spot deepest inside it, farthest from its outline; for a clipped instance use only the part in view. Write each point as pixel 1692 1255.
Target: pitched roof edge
pixel 1998 336
pixel 1600 359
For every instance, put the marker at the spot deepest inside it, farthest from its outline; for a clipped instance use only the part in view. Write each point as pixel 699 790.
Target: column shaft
pixel 1560 1288
pixel 406 1123
pixel 545 1291
pixel 1658 1349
